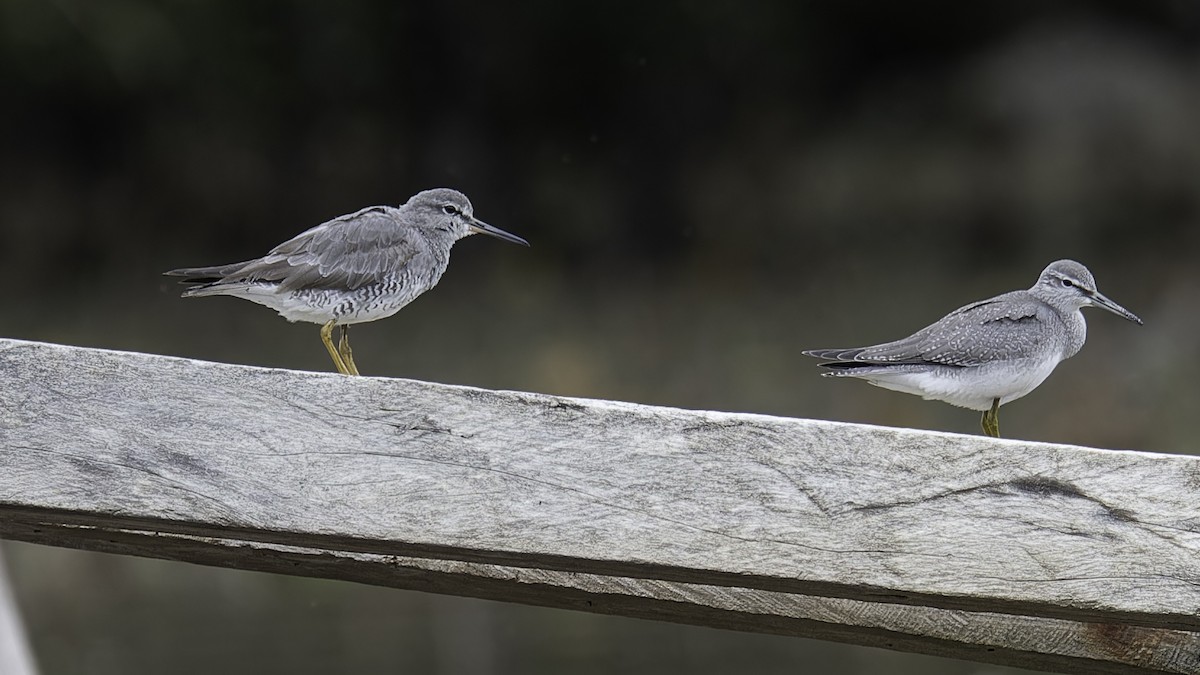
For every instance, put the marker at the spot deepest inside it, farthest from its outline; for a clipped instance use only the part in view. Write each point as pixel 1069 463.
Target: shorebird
pixel 987 353
pixel 355 268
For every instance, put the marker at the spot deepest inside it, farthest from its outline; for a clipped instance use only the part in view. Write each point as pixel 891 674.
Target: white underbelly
pixel 973 388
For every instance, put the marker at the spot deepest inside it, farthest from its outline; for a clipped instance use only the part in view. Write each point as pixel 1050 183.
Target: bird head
pixel 1067 283
pixel 450 211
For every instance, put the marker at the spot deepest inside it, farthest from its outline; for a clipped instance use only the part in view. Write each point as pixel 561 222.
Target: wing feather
pixel 1009 326
pixel 345 253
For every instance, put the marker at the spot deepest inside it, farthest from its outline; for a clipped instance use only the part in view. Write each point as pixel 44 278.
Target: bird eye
pixel 1067 283
pixel 450 210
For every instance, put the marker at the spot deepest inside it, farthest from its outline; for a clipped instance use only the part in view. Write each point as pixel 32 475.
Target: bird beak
pixel 477 225
pixel 1099 300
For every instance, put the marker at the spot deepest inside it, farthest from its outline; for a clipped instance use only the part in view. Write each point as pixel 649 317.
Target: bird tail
pixel 840 362
pixel 201 275
pixel 845 354
pixel 205 280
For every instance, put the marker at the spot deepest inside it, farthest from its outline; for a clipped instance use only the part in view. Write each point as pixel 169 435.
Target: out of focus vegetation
pixel 709 187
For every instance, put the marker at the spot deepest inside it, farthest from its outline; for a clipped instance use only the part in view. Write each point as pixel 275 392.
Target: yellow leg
pixel 326 337
pixel 991 420
pixel 344 349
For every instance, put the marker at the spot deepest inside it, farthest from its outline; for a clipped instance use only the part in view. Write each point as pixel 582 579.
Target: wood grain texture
pixel 766 512
pixel 1029 642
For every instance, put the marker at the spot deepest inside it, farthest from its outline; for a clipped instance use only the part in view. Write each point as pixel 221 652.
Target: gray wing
pixel 1009 326
pixel 345 253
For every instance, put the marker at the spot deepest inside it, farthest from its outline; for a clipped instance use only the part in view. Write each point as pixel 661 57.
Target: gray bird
pixel 355 268
pixel 988 353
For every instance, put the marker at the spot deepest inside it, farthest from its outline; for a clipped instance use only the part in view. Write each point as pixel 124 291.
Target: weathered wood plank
pixel 513 480
pixel 1036 643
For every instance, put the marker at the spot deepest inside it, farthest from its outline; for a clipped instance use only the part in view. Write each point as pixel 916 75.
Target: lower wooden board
pixel 1053 645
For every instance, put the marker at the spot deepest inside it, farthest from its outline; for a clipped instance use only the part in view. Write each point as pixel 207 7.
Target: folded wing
pixel 345 253
pixel 1001 328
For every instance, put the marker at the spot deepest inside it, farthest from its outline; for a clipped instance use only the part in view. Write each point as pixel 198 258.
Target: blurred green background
pixel 709 187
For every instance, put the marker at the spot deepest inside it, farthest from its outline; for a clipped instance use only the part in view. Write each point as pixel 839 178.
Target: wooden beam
pixel 15 655
pixel 1027 642
pixel 921 537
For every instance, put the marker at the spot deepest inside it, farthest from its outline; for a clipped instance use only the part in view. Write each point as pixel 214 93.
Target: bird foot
pixel 344 350
pixel 327 339
pixel 991 420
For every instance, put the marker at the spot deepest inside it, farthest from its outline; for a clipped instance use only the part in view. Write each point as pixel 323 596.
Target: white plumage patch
pixel 972 388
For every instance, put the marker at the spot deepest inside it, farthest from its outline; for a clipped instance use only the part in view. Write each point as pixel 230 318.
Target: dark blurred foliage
pixel 709 188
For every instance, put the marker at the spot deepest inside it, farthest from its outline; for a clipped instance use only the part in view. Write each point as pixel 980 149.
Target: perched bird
pixel 355 268
pixel 988 353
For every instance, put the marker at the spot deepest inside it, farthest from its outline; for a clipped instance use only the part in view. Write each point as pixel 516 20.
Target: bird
pixel 987 353
pixel 355 268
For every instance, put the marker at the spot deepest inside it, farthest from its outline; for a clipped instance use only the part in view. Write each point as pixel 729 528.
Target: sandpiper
pixel 987 353
pixel 355 268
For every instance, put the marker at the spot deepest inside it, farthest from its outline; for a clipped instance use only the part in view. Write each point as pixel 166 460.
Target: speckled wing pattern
pixel 1005 327
pixel 345 253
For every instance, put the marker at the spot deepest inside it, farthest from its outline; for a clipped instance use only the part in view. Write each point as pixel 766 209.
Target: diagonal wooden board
pixel 15 655
pixel 394 467
pixel 1042 644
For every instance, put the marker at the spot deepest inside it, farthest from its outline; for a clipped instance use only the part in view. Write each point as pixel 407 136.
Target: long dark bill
pixel 1100 300
pixel 483 228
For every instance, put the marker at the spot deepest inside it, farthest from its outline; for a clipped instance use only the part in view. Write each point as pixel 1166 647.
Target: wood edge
pixel 561 589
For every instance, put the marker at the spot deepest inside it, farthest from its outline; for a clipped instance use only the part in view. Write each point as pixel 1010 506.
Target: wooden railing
pixel 1044 556
pixel 15 658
